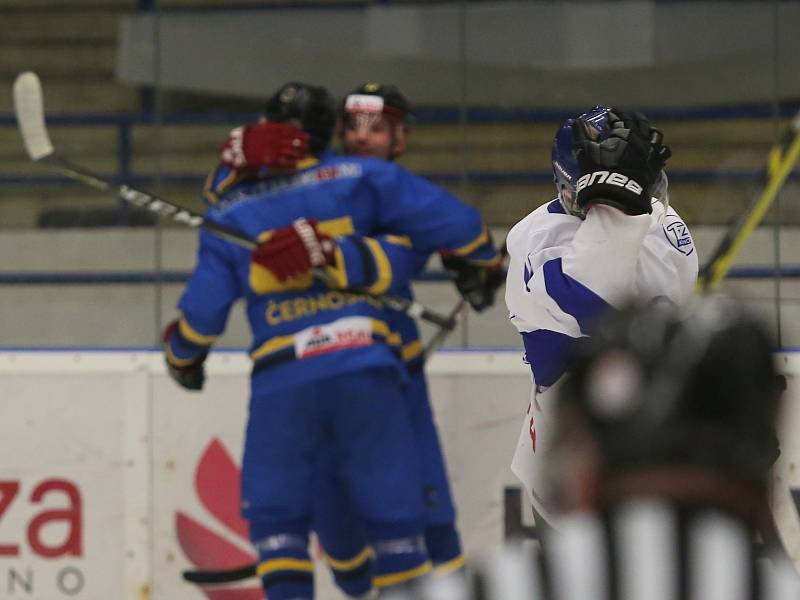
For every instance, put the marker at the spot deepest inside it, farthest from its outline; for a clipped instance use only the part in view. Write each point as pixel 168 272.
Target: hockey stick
pixel 221 575
pixel 456 315
pixel 29 109
pixel 781 161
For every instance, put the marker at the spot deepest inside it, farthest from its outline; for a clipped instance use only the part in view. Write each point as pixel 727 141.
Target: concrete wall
pixel 544 54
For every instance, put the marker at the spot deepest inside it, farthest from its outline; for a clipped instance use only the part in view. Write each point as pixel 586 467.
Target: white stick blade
pixel 29 109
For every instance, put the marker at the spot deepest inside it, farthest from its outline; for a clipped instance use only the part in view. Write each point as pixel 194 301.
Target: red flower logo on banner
pixel 217 483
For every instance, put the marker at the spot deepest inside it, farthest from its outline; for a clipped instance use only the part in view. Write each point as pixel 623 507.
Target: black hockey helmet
pixel 658 386
pixel 391 101
pixel 312 105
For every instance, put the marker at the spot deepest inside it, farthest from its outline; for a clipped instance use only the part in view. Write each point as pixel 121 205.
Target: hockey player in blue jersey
pixel 327 377
pixel 608 238
pixel 374 122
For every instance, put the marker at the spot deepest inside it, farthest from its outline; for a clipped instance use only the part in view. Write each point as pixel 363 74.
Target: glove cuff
pixel 615 189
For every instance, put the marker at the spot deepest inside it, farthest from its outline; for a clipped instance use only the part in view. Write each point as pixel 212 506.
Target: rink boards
pixel 114 480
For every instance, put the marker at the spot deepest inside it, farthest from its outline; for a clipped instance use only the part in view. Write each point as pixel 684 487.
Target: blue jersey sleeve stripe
pixel 190 334
pixel 572 297
pixel 547 352
pixel 338 270
pixel 367 265
pixel 476 243
pixel 182 351
pixel 177 361
pixel 354 259
pixel 398 240
pixel 382 265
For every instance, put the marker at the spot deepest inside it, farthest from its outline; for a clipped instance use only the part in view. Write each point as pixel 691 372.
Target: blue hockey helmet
pixel 565 167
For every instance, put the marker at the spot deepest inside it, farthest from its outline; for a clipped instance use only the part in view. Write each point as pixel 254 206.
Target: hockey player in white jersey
pixel 609 237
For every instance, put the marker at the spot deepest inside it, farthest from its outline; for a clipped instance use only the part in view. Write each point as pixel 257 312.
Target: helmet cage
pixel 565 167
pixel 362 111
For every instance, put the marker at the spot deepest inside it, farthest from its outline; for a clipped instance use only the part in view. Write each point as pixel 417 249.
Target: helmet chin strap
pixel 661 190
pixel 567 197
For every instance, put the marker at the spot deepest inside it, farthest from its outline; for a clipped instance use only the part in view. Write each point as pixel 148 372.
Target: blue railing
pixel 181 277
pixel 124 123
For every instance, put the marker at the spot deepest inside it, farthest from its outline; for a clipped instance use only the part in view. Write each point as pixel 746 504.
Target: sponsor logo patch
pixel 270 187
pixel 349 332
pixel 609 178
pixel 678 235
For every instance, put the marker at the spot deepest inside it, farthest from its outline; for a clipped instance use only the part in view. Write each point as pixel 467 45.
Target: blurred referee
pixel 665 440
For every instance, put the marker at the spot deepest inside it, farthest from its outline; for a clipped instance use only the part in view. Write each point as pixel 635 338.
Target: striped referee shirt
pixel 644 550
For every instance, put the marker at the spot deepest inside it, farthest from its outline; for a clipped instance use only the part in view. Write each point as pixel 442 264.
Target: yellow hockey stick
pixel 782 158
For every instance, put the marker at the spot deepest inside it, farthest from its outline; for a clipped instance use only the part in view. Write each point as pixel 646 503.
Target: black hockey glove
pixel 622 169
pixel 476 284
pixel 191 376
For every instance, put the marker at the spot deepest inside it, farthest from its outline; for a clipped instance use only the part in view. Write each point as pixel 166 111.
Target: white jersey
pixel 563 273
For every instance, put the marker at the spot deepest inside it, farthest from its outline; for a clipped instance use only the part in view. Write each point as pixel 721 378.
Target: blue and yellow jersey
pixel 384 219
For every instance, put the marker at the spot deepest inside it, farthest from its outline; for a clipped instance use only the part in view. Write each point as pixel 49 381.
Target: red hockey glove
pixel 273 145
pixel 295 250
pixel 191 376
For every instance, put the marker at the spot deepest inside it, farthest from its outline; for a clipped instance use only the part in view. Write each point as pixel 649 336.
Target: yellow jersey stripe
pixel 398 240
pixel 477 242
pixel 382 581
pixel 352 563
pixel 207 191
pixel 380 327
pixel 174 360
pixel 382 266
pixel 284 564
pixel 448 567
pixel 193 335
pixel 337 227
pixel 272 345
pixel 412 350
pixel 306 163
pixel 337 270
pixel 491 262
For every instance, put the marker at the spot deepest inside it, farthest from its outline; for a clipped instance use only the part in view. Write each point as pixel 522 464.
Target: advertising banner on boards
pixel 115 481
pixel 74 485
